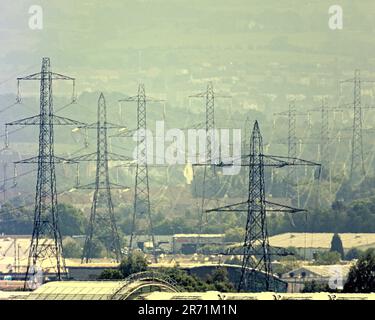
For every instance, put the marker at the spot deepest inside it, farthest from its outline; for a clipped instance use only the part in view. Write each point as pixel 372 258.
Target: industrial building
pixel 188 243
pixel 331 275
pixel 138 290
pixel 307 244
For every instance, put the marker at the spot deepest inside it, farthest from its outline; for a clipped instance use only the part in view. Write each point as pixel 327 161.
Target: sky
pixel 105 42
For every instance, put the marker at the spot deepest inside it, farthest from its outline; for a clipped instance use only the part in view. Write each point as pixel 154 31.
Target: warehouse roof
pixel 197 235
pixel 322 240
pixel 323 271
pixel 75 290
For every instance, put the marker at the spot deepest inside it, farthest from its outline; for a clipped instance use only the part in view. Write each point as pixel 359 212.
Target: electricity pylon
pixel 211 155
pixel 292 176
pixel 102 223
pixel 256 248
pixel 142 217
pixel 46 243
pixel 357 165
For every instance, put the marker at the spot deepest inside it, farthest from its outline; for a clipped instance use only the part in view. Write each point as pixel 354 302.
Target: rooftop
pixel 322 240
pixel 323 271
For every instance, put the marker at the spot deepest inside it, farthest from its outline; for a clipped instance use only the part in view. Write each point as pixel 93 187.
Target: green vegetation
pixel 234 235
pixel 190 283
pixel 327 258
pixel 287 263
pixel 136 262
pixel 217 280
pixel 111 274
pixel 336 245
pixel 361 278
pixel 313 286
pixel 72 248
pixel 133 263
pixel 72 221
pixel 355 216
pixel 353 253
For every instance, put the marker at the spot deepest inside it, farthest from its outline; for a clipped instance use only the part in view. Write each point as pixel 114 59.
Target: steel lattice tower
pixel 256 236
pixel 357 165
pixel 291 177
pixel 102 213
pixel 325 138
pixel 292 148
pixel 46 242
pixel 292 139
pixel 210 146
pixel 357 142
pixel 211 155
pixel 256 249
pixel 210 122
pixel 142 207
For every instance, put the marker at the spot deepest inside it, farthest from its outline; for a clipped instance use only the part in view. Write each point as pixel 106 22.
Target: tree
pixel 314 286
pixel 15 221
pixel 220 281
pixel 72 248
pixel 234 235
pixel 72 221
pixel 97 249
pixel 336 245
pixel 327 258
pixel 361 278
pixel 353 253
pixel 133 263
pixel 110 274
pixel 188 282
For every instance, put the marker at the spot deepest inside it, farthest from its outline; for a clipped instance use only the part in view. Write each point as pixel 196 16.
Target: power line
pixel 46 242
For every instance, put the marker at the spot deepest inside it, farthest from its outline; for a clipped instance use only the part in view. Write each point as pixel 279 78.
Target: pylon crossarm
pixel 134 164
pixel 124 133
pixel 106 125
pixel 34 76
pixel 238 251
pixel 198 95
pixel 59 76
pixel 35 159
pixel 230 208
pixel 272 207
pixel 86 157
pixel 151 99
pixel 93 157
pixel 118 157
pixel 269 161
pixel 57 120
pixel 89 186
pixel 34 120
pixel 37 76
pixel 92 186
pixel 276 207
pixel 210 164
pixel 282 161
pixel 135 99
pixel 110 125
pixel 204 94
pixel 118 186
